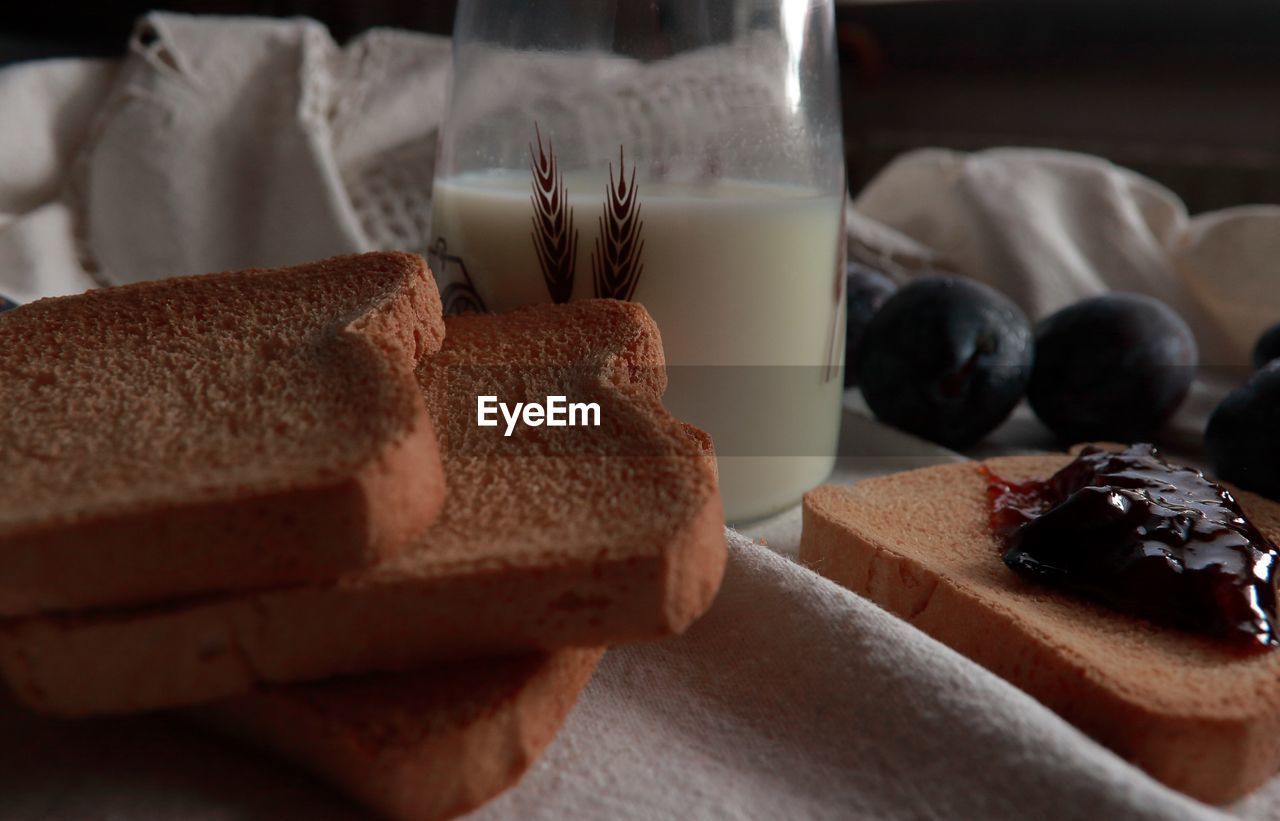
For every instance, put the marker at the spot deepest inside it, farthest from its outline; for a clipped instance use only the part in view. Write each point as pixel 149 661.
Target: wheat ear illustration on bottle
pixel 554 237
pixel 615 261
pixel 616 256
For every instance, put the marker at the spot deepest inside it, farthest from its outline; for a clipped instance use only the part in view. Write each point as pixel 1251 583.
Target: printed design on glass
pixel 554 237
pixel 460 295
pixel 615 261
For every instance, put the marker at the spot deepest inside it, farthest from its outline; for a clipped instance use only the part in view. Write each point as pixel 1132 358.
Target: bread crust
pixel 1196 714
pixel 305 518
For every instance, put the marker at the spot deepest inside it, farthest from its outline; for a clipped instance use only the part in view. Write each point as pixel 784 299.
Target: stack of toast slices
pixel 1197 714
pixel 262 499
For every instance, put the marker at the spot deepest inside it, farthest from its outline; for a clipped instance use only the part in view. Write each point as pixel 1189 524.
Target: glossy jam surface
pixel 1136 533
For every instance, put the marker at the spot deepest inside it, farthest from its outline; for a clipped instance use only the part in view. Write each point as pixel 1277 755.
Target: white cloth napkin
pixel 227 142
pixel 219 143
pixel 1047 227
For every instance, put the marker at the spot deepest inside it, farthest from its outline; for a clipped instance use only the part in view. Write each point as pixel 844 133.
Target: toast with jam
pixel 1139 613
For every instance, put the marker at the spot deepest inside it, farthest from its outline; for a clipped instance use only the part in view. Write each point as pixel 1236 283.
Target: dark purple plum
pixel 945 358
pixel 1243 434
pixel 866 289
pixel 1111 368
pixel 1268 347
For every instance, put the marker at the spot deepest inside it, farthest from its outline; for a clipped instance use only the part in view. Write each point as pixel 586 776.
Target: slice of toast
pixel 216 432
pixel 420 745
pixel 1197 714
pixel 552 537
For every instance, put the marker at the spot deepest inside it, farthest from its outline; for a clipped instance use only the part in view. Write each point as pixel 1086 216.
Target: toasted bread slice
pixel 552 537
pixel 1201 716
pixel 419 745
pixel 217 432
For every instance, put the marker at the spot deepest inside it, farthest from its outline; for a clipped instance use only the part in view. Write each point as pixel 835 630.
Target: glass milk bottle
pixel 685 155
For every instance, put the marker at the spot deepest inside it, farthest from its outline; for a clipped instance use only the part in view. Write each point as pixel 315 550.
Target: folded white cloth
pixel 219 143
pixel 1048 227
pixel 222 143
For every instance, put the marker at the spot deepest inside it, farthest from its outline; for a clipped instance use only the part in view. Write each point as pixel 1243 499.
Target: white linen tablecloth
pixel 220 143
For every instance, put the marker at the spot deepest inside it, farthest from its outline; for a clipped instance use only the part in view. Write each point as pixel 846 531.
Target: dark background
pixel 1186 92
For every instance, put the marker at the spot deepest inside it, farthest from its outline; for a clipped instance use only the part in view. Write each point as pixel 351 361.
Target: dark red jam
pixel 1138 534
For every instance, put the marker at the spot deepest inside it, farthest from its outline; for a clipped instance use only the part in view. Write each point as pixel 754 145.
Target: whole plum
pixel 1268 347
pixel 1243 438
pixel 1113 367
pixel 866 289
pixel 945 358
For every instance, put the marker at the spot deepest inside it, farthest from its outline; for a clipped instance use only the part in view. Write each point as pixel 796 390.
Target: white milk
pixel 743 280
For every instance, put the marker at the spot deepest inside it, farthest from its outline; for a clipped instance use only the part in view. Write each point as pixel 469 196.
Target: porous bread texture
pixel 421 745
pixel 551 538
pixel 217 432
pixel 1194 712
